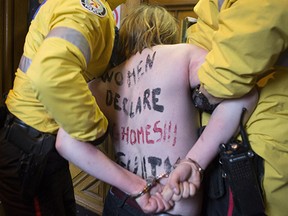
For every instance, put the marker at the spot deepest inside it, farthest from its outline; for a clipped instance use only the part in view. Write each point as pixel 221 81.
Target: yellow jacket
pixel 68 44
pixel 243 30
pixel 246 38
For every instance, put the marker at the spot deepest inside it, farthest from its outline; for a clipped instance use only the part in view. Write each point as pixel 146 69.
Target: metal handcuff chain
pixel 151 181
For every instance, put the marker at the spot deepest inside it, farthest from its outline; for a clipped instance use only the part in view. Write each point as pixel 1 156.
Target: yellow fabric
pixel 53 91
pixel 236 35
pixel 115 3
pixel 244 45
pixel 268 131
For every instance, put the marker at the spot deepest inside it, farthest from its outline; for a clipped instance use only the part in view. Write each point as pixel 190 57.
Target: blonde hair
pixel 144 27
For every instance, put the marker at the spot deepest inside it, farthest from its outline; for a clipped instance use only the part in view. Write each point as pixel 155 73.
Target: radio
pixel 239 164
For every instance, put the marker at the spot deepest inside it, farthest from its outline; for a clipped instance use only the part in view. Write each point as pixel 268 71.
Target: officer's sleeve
pixel 56 76
pixel 250 37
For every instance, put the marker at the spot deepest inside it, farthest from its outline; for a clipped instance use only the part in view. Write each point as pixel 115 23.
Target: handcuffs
pixel 189 160
pixel 151 181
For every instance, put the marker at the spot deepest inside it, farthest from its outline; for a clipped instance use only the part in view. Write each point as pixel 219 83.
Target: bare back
pixel 147 100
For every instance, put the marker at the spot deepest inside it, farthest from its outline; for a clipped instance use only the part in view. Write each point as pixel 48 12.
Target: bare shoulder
pixel 181 47
pixel 181 50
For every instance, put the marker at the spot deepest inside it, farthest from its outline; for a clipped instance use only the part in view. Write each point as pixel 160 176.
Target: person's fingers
pixel 177 197
pixel 192 189
pixel 173 181
pixel 162 204
pixel 147 203
pixel 185 189
pixel 167 193
pixel 157 188
pixel 154 203
pixel 171 203
pixel 172 189
pixel 183 182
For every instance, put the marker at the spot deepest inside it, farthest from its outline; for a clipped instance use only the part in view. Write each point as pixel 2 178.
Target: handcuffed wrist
pixel 189 160
pixel 151 181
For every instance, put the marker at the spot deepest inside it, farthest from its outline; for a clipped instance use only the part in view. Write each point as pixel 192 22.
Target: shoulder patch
pixel 94 6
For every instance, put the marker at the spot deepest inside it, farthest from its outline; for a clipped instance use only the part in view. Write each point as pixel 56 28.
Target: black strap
pixel 101 139
pixel 243 133
pixel 238 162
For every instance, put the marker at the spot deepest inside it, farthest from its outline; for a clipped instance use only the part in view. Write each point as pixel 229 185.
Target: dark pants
pixel 113 207
pixel 56 195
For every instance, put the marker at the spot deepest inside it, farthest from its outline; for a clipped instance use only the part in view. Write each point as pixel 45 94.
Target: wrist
pixel 150 182
pixel 137 186
pixel 195 166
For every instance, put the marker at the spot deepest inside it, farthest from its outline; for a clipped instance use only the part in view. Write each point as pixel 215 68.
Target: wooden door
pixel 13 28
pixel 180 9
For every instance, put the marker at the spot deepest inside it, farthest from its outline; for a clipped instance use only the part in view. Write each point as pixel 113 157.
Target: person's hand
pixel 153 201
pixel 183 182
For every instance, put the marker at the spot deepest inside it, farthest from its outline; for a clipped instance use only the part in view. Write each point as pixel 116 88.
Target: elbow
pixel 252 99
pixel 60 141
pixel 58 145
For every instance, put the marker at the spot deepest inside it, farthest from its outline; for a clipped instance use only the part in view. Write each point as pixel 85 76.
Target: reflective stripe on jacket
pixel 68 44
pixel 245 39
